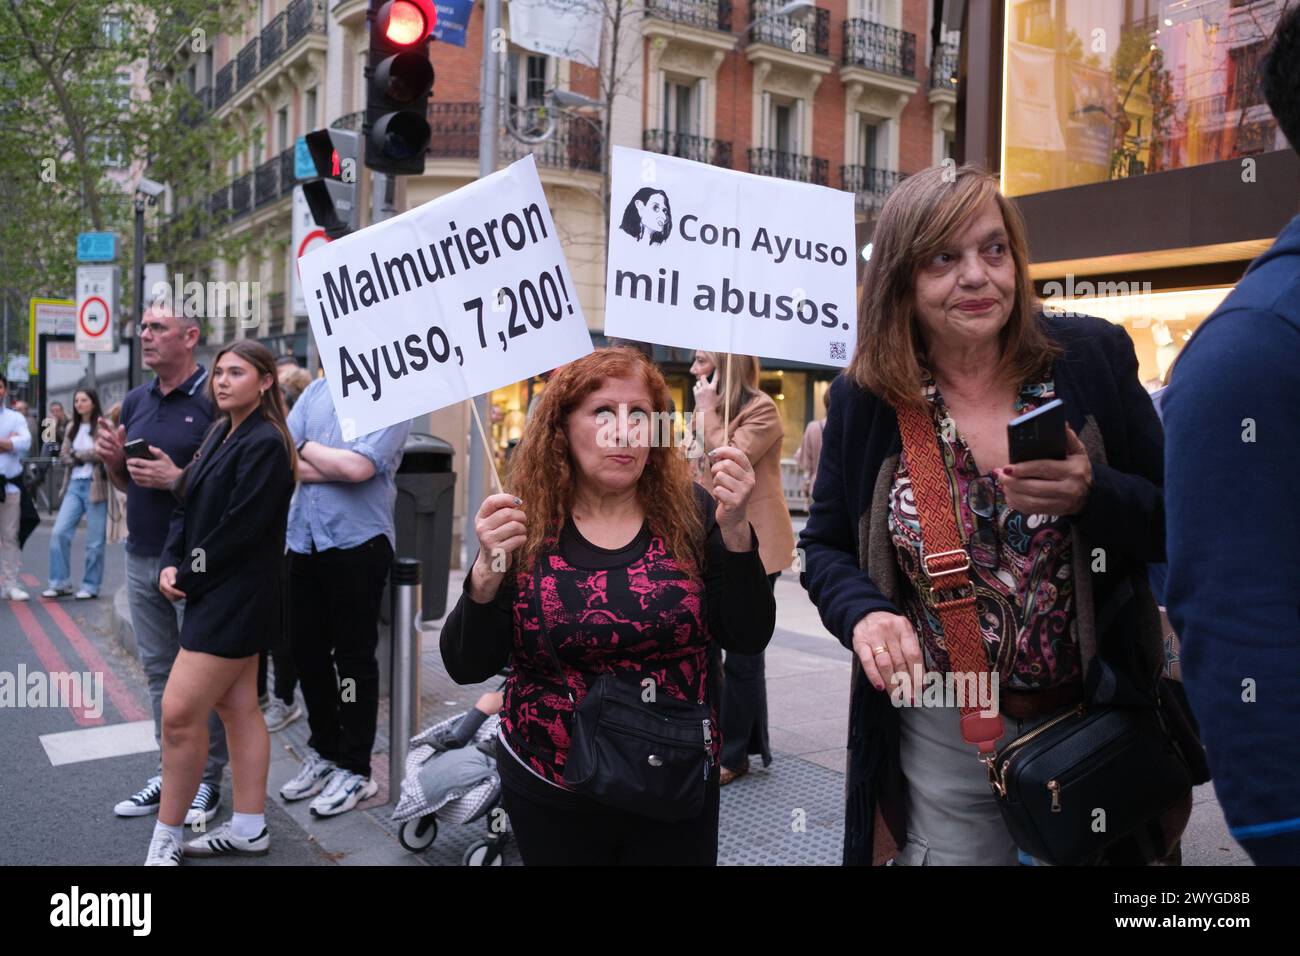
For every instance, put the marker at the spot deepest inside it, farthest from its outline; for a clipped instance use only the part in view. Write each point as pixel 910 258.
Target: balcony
pixel 878 69
pixel 219 202
pixel 273 38
pixel 192 114
pixel 803 169
pixel 222 89
pixel 877 47
pixel 704 14
pixel 266 182
pixel 574 145
pixel 246 64
pixel 943 71
pixel 686 146
pixel 304 17
pixel 798 34
pixel 789 55
pixel 279 44
pixel 870 187
pixel 241 196
pixel 287 177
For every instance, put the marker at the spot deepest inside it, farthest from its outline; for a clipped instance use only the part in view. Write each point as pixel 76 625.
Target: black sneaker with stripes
pixel 222 842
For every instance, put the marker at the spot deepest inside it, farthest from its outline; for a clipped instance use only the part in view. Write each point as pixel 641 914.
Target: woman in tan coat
pixel 755 428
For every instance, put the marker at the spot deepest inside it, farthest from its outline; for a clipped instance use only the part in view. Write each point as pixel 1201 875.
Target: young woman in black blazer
pixel 223 558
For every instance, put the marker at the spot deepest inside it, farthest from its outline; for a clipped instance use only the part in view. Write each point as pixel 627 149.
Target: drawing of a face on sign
pixel 648 218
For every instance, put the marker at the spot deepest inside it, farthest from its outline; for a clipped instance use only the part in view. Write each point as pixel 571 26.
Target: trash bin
pixel 422 515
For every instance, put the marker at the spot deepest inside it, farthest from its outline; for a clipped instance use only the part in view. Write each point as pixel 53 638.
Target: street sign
pixel 303 167
pixel 305 236
pixel 48 316
pixel 96 247
pixel 96 306
pixel 17 371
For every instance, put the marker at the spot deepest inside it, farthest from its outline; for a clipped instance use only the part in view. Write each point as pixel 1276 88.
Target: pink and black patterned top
pixel 646 616
pixel 1020 564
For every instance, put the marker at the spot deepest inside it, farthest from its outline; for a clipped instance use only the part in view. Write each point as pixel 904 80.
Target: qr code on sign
pixel 838 353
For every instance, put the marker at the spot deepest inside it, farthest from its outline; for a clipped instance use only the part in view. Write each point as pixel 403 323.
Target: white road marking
pixel 97 743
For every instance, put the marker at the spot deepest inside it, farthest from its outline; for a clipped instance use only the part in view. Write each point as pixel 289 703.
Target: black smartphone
pixel 138 449
pixel 1039 434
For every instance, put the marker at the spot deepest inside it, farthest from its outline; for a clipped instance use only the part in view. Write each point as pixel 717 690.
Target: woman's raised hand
pixel 501 526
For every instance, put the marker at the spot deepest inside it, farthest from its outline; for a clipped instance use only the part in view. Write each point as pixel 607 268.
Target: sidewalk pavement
pixel 790 813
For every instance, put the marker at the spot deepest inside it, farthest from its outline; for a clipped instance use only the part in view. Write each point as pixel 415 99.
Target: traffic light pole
pixel 488 128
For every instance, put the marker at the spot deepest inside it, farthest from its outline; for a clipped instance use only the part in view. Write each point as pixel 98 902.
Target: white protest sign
pixel 707 258
pixel 569 29
pixel 464 294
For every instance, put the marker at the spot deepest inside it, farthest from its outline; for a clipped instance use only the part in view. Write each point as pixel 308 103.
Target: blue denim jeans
pixel 76 501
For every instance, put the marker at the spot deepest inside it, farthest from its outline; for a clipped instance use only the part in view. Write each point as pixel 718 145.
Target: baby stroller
pixel 451 777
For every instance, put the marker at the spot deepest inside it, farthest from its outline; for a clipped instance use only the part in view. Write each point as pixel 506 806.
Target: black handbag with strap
pixel 652 757
pixel 1080 782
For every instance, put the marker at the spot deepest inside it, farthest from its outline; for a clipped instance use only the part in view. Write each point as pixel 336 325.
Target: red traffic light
pixel 406 22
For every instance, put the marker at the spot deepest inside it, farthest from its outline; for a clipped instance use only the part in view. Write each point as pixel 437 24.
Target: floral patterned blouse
pixel 1020 564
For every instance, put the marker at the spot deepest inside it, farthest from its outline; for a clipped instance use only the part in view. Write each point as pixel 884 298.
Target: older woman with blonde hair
pixel 1049 576
pixel 732 410
pixel 608 581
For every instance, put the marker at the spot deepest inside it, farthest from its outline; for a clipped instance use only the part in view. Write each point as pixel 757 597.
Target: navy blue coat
pixel 1234 546
pixel 1096 376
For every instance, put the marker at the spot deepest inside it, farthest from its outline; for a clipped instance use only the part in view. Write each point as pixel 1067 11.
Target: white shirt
pixel 13 426
pixel 84 442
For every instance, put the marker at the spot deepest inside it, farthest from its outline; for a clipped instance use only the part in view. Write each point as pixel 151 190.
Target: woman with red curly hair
pixel 615 563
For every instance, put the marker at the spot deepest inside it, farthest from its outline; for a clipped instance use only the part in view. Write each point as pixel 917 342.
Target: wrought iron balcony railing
pixel 246 65
pixel 943 71
pixel 708 14
pixel 574 144
pixel 870 187
pixel 687 146
pixel 799 34
pixel 223 86
pixel 880 48
pixel 804 169
pixel 241 196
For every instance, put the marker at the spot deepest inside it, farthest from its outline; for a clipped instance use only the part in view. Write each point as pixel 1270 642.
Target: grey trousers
pixel 157 625
pixel 952 817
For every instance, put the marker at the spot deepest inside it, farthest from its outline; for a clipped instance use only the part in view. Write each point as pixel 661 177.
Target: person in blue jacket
pixel 1232 449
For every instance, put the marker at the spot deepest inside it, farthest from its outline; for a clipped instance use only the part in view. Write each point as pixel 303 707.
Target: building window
pixel 528 76
pixel 309 111
pixel 785 126
pixel 259 146
pixel 870 143
pixel 282 129
pixel 681 107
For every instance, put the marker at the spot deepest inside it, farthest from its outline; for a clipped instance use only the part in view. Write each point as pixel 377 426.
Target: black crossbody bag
pixel 652 758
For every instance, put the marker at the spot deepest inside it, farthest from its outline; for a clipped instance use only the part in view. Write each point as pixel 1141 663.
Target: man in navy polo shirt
pixel 170 414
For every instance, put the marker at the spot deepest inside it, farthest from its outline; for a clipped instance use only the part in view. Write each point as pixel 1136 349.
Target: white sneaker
pixel 56 592
pixel 311 778
pixel 343 792
pixel 279 715
pixel 222 841
pixel 84 595
pixel 164 850
pixel 17 594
